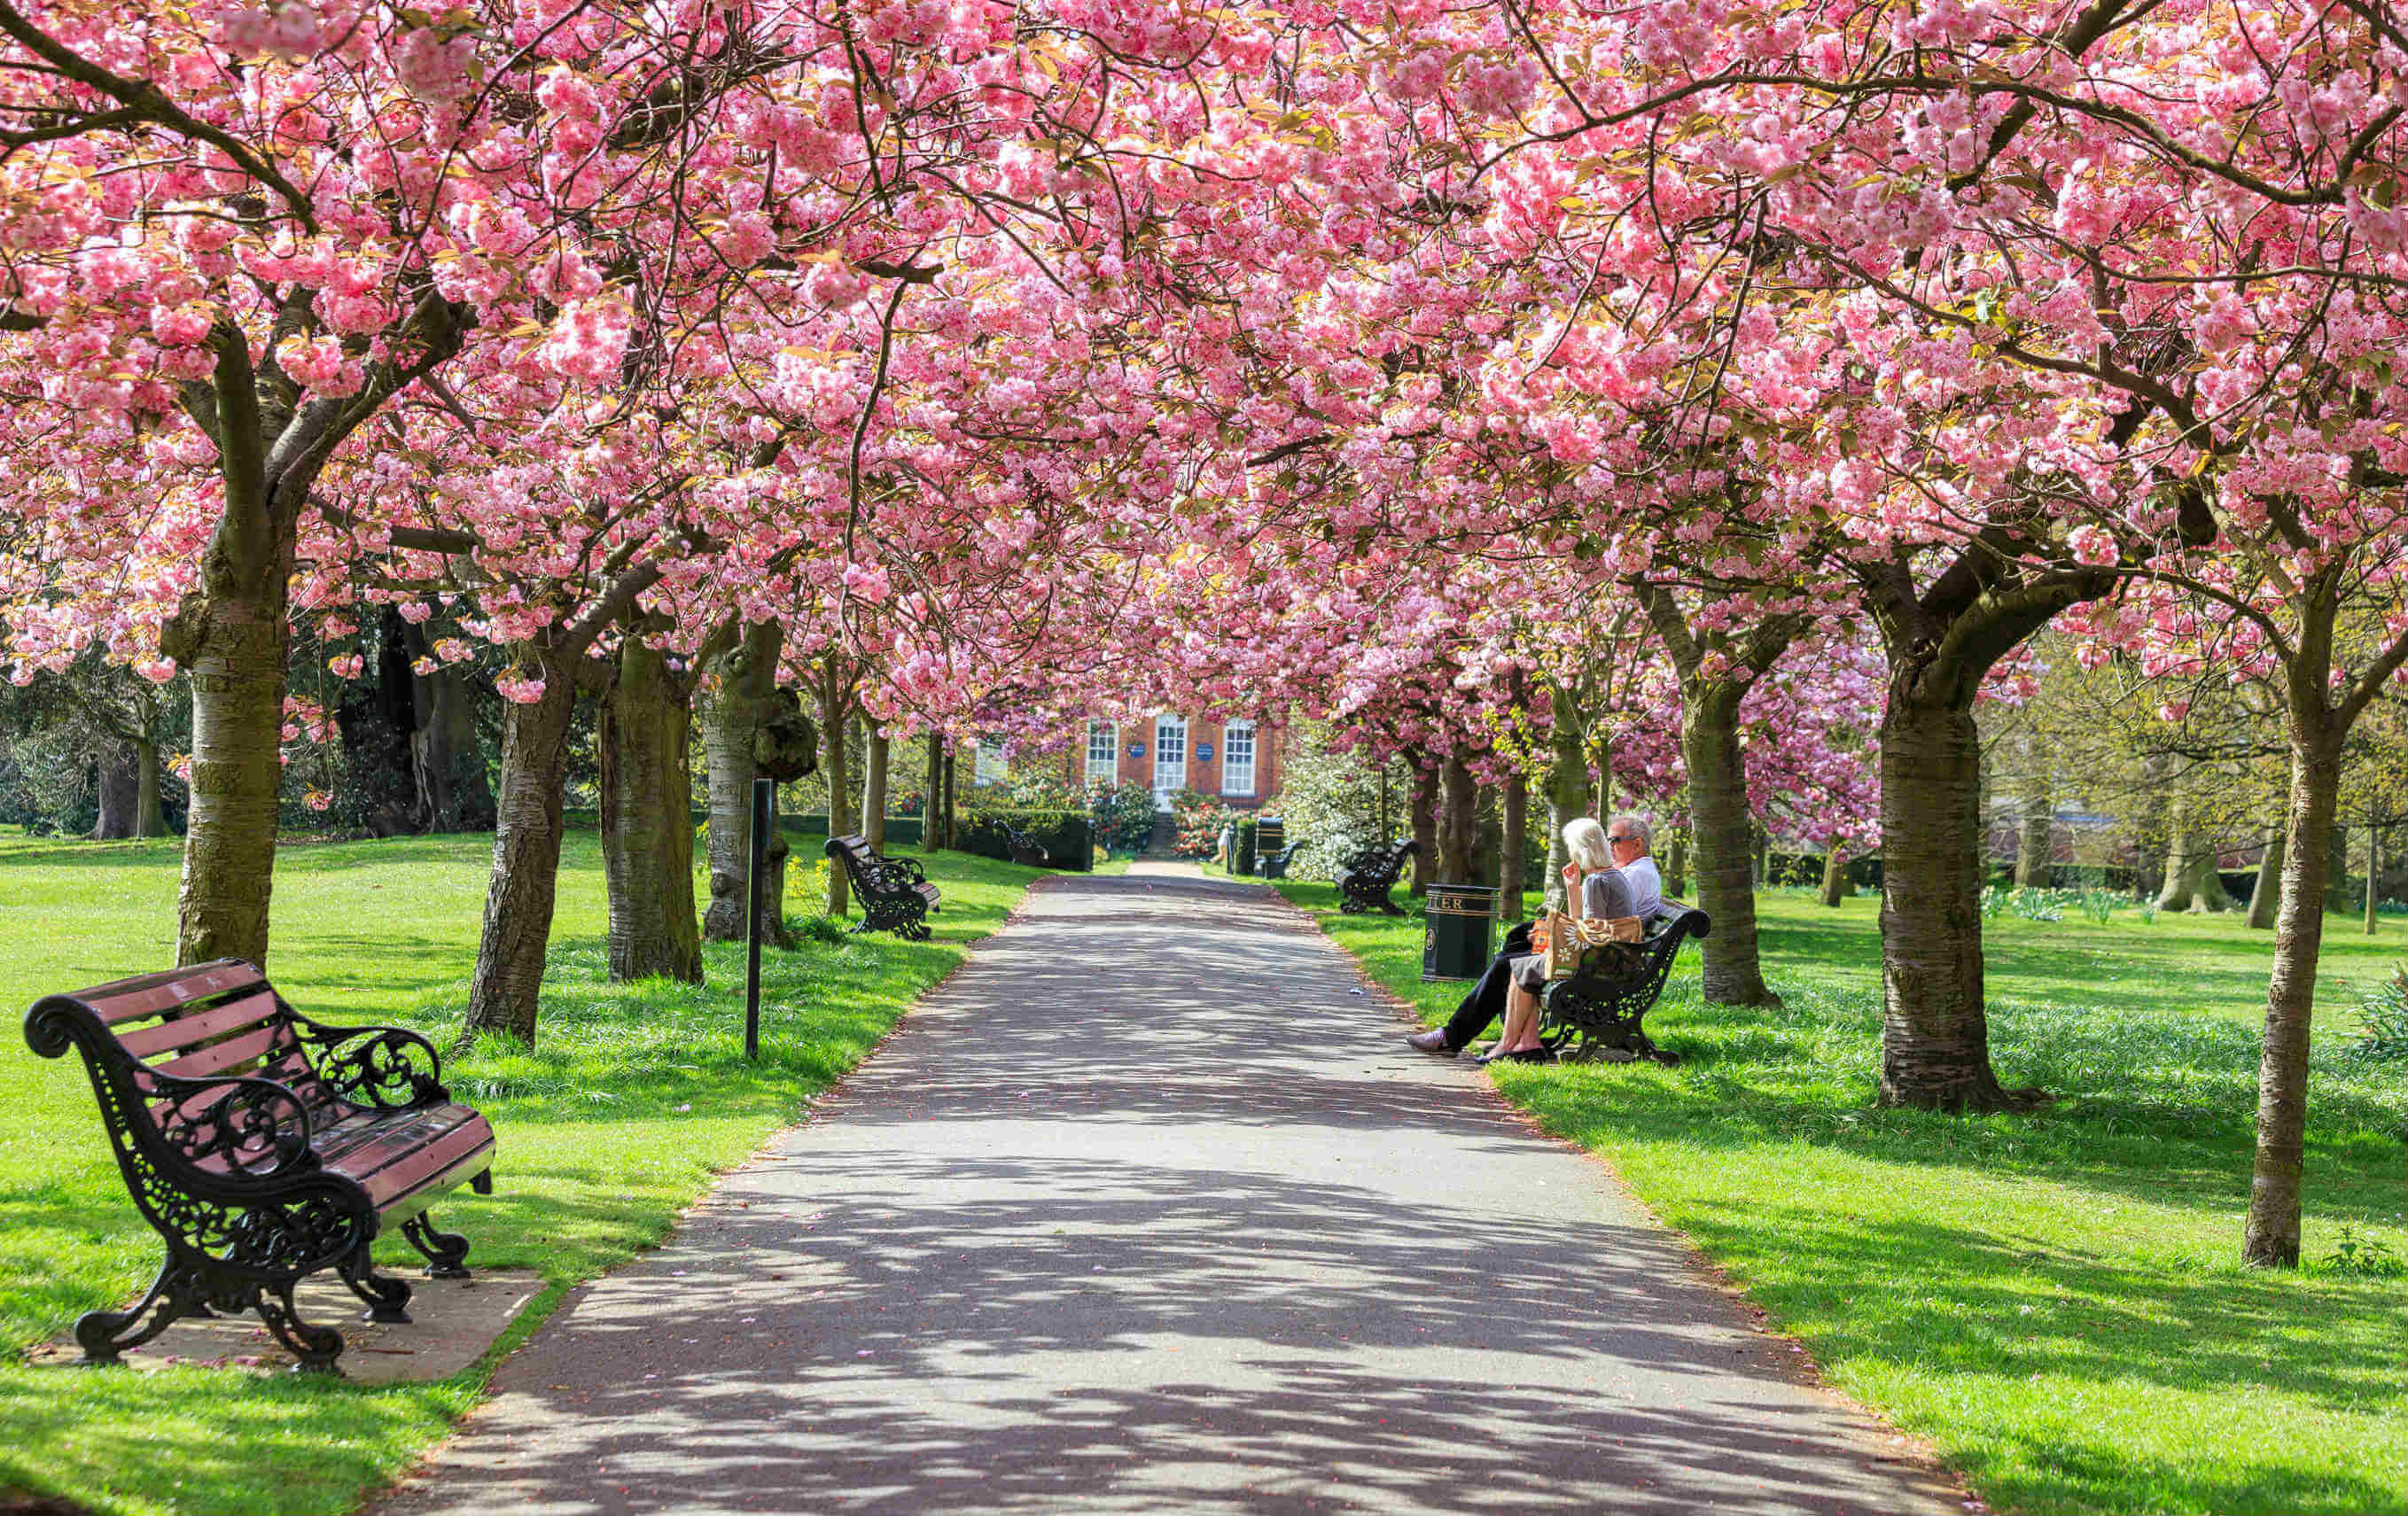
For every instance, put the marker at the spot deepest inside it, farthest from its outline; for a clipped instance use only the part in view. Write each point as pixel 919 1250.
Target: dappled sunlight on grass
pixel 631 1098
pixel 2055 1299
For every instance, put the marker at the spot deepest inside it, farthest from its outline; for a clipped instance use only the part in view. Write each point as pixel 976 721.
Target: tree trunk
pixel 1566 791
pixel 932 835
pixel 1458 795
pixel 150 815
pixel 1835 877
pixel 834 698
pixel 2270 1234
pixel 1425 791
pixel 953 793
pixel 2266 896
pixel 647 836
pixel 1676 867
pixel 1718 819
pixel 2191 880
pixel 454 794
pixel 120 784
pixel 1935 1035
pixel 235 647
pixel 1508 853
pixel 742 680
pixel 2036 844
pixel 873 793
pixel 504 988
pixel 2373 866
pixel 2337 870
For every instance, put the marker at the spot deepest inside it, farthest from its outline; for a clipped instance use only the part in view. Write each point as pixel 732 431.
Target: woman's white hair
pixel 1585 841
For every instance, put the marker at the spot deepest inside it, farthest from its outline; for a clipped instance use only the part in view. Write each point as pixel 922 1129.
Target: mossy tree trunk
pixel 1835 877
pixel 2374 867
pixel 2271 1230
pixel 1425 809
pixel 1719 821
pixel 2036 840
pixel 873 793
pixel 119 783
pixel 647 717
pixel 1935 1031
pixel 2265 897
pixel 1510 864
pixel 836 703
pixel 932 833
pixel 504 989
pixel 1567 788
pixel 504 985
pixel 2192 883
pixel 1458 798
pixel 742 680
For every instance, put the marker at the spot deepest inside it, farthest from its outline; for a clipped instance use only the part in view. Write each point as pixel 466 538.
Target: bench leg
pixel 443 1249
pixel 105 1334
pixel 316 1345
pixel 387 1298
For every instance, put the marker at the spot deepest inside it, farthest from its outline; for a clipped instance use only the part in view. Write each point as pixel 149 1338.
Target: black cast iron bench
pixel 1024 849
pixel 1365 880
pixel 263 1147
pixel 1275 866
pixel 1597 1012
pixel 895 895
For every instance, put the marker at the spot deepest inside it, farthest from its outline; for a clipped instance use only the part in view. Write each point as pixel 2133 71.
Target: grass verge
pixel 2051 1299
pixel 632 1099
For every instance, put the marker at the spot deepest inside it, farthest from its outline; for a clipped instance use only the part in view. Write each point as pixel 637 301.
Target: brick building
pixel 1238 760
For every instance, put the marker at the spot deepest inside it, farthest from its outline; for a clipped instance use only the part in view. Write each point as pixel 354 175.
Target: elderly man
pixel 1629 840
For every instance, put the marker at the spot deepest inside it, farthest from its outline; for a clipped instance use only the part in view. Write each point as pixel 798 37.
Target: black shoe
pixel 1432 1042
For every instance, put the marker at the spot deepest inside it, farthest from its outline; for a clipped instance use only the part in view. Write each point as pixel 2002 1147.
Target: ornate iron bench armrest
pixel 382 1072
pixel 259 1129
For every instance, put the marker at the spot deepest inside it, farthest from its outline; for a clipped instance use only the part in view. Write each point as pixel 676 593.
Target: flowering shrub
pixel 1123 816
pixel 1199 819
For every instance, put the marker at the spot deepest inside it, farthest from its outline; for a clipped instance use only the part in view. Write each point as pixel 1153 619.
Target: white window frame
pixel 1176 727
pixel 1104 769
pixel 1237 777
pixel 988 766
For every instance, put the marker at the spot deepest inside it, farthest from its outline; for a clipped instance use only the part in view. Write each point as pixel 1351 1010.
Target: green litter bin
pixel 1454 941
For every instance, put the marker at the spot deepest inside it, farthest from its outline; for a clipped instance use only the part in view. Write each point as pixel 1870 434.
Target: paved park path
pixel 1149 1208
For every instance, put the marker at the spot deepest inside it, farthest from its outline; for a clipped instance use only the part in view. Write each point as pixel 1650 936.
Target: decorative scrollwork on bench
pixel 247 1126
pixel 384 1067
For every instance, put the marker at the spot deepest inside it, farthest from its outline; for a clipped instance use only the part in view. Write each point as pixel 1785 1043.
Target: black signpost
pixel 765 793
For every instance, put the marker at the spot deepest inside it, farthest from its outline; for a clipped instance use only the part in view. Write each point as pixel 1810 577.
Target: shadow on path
pixel 1149 1210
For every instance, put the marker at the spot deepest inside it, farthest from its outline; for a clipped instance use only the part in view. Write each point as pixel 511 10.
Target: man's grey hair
pixel 1639 829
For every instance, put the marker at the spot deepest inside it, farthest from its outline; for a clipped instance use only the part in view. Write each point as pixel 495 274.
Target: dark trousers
pixel 1487 1001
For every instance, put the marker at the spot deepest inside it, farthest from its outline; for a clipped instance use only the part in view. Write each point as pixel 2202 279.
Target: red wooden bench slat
pixel 147 994
pixel 187 1030
pixel 225 1055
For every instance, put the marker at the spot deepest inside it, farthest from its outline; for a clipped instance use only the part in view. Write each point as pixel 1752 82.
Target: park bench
pixel 1365 880
pixel 1597 1012
pixel 895 895
pixel 1024 849
pixel 263 1147
pixel 1275 866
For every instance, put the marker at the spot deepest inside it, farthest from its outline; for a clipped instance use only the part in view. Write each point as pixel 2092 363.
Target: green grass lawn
pixel 633 1098
pixel 2052 1300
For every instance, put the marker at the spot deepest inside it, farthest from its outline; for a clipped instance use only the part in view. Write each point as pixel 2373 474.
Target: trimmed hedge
pixel 1242 863
pixel 1067 834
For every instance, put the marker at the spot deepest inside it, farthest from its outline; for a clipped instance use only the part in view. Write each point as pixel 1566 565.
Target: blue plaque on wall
pixel 1203 753
pixel 1136 749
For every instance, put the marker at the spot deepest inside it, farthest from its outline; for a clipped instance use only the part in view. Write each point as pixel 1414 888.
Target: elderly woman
pixel 1594 888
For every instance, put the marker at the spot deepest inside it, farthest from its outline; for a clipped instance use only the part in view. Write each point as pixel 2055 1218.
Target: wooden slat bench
pixel 263 1147
pixel 895 895
pixel 1597 1012
pixel 1365 880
